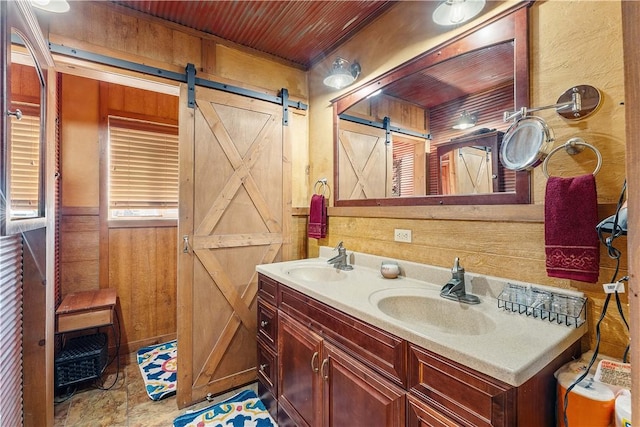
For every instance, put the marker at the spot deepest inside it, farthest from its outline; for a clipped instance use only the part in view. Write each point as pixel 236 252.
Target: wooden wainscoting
pixel 142 270
pixel 79 252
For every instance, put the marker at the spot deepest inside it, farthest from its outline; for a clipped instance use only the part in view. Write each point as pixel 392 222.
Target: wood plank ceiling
pixel 301 32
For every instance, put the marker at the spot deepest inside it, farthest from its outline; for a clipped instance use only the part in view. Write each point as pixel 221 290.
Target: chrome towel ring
pixel 321 187
pixel 573 146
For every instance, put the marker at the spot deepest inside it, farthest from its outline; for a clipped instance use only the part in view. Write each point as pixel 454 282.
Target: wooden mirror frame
pixel 21 20
pixel 511 25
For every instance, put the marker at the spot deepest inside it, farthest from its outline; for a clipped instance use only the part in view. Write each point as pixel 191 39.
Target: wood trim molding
pixel 79 211
pixel 630 34
pixel 299 211
pixel 502 213
pixel 493 213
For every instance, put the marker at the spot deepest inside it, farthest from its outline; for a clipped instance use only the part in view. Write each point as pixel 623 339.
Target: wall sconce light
pixel 465 121
pixel 454 12
pixel 56 6
pixel 342 75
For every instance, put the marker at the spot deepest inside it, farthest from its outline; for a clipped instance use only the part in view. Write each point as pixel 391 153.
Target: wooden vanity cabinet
pixel 445 393
pixel 267 338
pixel 335 370
pixel 323 385
pixel 453 394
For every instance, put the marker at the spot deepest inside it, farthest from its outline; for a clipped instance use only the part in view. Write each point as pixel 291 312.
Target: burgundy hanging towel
pixel 570 218
pixel 317 217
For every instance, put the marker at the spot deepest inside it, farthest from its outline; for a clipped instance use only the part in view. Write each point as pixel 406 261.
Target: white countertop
pixel 514 349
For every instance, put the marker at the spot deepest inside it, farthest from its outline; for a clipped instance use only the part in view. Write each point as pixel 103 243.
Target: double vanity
pixel 351 348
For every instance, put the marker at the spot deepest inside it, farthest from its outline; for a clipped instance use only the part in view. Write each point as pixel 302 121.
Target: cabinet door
pixel 355 395
pixel 299 356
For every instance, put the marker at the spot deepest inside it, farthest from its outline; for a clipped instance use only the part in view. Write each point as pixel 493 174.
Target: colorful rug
pixel 244 409
pixel 159 367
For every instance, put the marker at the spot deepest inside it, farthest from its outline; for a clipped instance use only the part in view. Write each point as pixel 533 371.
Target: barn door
pixel 234 207
pixel 364 162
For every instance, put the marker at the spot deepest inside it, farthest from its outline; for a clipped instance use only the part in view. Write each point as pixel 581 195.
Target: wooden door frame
pixel 630 36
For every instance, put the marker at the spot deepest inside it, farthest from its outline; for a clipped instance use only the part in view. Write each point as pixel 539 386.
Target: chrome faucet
pixel 454 288
pixel 340 261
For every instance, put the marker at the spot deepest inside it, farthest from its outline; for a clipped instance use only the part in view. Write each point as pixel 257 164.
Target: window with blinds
pixel 143 169
pixel 24 179
pixel 403 168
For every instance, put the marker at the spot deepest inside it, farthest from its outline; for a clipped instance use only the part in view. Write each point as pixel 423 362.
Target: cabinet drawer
pixel 267 289
pixel 267 368
pixel 421 414
pixel 381 351
pixel 84 319
pixel 461 394
pixel 267 323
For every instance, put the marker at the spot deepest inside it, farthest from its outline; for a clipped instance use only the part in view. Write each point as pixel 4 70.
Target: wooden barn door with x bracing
pixel 235 203
pixel 364 161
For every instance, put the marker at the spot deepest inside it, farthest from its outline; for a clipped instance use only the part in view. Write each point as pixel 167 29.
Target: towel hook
pixel 573 146
pixel 320 184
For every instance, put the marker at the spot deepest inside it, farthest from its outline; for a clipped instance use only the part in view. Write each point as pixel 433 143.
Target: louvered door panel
pixel 11 411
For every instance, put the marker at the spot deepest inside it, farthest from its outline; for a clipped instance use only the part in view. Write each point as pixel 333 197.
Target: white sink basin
pixel 424 308
pixel 316 273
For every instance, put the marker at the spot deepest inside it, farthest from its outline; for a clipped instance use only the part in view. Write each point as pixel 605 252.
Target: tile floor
pixel 126 404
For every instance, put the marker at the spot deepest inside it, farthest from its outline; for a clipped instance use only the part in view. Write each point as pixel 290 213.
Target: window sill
pixel 142 223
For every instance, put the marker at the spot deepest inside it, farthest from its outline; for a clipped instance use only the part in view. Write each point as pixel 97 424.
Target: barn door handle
pixel 314 365
pixel 325 362
pixel 185 241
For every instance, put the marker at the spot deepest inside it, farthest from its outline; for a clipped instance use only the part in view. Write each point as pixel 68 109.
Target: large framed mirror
pixel 390 134
pixel 22 180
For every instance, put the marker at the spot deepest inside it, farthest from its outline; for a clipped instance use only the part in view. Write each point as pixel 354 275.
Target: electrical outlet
pixel 400 235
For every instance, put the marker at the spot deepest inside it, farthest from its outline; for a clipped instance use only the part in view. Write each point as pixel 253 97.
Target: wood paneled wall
pixel 489 241
pixel 142 270
pixel 139 262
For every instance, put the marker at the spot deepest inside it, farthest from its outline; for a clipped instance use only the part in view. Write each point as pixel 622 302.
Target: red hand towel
pixel 570 219
pixel 317 217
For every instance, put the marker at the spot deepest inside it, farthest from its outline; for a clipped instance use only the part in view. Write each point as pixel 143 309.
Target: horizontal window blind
pixel 25 164
pixel 403 168
pixel 143 169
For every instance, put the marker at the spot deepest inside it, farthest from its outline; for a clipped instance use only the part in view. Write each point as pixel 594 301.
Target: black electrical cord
pixel 69 395
pixel 116 357
pixel 613 253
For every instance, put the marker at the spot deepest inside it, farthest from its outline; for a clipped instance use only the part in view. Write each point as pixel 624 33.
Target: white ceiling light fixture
pixel 465 121
pixel 56 6
pixel 342 75
pixel 455 12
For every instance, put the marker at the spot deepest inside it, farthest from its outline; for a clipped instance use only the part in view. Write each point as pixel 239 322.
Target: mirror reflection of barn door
pixel 364 161
pixel 235 202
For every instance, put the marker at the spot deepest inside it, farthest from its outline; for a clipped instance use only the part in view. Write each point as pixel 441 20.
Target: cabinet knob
pixel 264 366
pixel 314 365
pixel 264 323
pixel 325 362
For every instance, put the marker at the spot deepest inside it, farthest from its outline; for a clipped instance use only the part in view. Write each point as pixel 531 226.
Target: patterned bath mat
pixel 159 368
pixel 244 409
